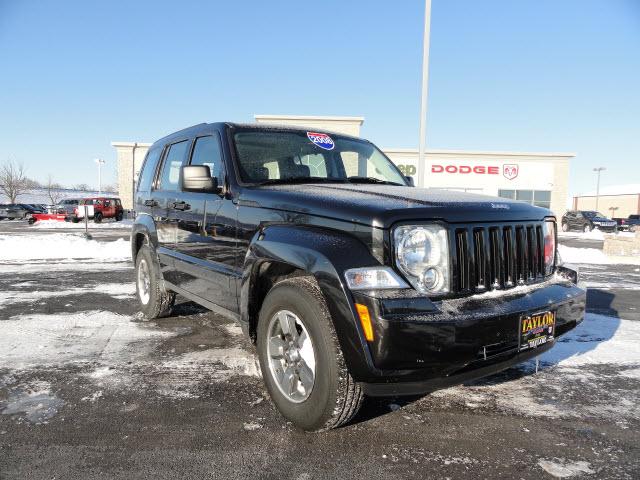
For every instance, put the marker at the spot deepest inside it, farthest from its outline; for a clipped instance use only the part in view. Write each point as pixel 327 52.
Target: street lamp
pixel 425 88
pixel 100 162
pixel 598 169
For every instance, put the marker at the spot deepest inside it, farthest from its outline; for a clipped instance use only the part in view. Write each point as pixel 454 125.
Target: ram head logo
pixel 510 171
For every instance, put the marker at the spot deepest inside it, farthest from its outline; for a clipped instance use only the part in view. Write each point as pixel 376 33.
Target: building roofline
pixel 130 144
pixel 483 152
pixel 359 120
pixel 593 195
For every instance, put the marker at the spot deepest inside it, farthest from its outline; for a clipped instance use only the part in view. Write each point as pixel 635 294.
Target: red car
pixel 99 208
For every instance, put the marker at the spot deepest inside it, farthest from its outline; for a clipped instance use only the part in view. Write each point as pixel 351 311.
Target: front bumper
pixel 420 345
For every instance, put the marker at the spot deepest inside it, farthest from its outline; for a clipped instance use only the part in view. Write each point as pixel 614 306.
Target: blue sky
pixel 536 75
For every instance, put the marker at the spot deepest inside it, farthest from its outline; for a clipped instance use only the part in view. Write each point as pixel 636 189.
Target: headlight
pixel 422 254
pixel 549 233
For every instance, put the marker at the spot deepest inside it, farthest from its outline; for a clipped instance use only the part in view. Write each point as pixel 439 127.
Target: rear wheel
pixel 155 300
pixel 97 217
pixel 119 217
pixel 301 361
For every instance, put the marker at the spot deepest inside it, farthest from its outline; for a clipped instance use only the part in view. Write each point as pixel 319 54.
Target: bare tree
pixel 13 181
pixel 81 186
pixel 53 190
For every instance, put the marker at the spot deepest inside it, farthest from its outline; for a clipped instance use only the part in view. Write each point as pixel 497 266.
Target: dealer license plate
pixel 537 329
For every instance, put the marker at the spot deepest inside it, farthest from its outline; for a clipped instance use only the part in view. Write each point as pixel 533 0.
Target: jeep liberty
pixel 348 280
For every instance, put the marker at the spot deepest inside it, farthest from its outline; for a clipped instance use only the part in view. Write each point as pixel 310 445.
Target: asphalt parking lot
pixel 88 389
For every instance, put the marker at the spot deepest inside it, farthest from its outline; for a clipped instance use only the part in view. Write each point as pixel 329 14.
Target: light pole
pixel 425 88
pixel 598 169
pixel 100 162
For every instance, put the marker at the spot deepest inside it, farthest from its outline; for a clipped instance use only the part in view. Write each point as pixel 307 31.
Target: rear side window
pixel 171 167
pixel 207 151
pixel 149 169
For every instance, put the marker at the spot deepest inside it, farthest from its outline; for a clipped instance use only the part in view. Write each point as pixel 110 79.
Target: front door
pixel 205 245
pixel 164 198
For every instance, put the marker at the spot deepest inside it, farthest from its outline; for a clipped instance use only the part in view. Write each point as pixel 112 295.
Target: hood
pixel 383 205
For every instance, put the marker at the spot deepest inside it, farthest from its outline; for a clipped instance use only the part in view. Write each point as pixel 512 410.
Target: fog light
pixel 430 278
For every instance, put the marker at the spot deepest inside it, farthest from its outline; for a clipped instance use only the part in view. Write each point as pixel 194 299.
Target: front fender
pixel 325 254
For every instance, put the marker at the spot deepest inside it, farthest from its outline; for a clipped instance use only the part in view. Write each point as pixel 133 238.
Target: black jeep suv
pixel 349 281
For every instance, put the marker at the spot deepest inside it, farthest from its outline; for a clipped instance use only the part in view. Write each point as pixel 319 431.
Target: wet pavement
pixel 88 389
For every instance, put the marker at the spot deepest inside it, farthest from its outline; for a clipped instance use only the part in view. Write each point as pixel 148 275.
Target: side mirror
pixel 197 178
pixel 410 181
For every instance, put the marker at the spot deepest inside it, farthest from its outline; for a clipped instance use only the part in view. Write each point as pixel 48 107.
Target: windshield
pixel 592 214
pixel 288 157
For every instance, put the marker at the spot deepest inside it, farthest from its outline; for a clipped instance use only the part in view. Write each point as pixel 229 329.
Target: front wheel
pixel 587 228
pixel 155 301
pixel 301 361
pixel 565 227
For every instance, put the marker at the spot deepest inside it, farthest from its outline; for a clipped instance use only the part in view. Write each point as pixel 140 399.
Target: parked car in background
pixel 98 209
pixel 629 224
pixel 66 206
pixel 15 210
pixel 587 220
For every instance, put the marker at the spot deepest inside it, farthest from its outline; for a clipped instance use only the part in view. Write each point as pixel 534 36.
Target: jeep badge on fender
pixel 348 280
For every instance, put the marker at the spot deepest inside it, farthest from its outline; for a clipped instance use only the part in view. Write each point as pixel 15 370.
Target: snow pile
pixel 61 246
pixel 54 224
pixel 582 255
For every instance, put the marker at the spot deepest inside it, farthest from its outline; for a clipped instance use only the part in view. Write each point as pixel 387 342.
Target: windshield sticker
pixel 322 140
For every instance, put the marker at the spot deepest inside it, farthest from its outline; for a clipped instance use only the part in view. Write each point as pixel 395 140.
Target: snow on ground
pixel 116 290
pixel 573 255
pixel 592 235
pixel 92 336
pixel 61 246
pixel 106 224
pixel 582 255
pixel 22 267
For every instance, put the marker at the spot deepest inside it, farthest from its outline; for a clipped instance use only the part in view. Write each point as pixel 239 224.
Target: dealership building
pixel 533 177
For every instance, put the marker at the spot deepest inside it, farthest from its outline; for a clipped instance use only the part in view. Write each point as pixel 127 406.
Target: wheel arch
pixel 284 251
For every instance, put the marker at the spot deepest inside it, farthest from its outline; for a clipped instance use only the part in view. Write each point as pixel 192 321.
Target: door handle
pixel 150 203
pixel 180 206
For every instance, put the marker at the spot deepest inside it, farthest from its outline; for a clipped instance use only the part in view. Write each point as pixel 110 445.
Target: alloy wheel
pixel 144 282
pixel 291 357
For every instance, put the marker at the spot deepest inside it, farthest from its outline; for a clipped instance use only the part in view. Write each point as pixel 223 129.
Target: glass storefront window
pixel 539 198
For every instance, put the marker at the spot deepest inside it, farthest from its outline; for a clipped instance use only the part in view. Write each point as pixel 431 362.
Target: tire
pixel 586 228
pixel 155 301
pixel 97 218
pixel 565 227
pixel 333 397
pixel 119 217
pixel 10 218
pixel 31 221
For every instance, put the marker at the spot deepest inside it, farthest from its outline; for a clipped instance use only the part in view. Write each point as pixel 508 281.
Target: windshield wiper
pixel 357 179
pixel 276 181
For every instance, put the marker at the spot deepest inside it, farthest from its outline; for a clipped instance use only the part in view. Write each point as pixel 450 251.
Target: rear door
pixel 163 198
pixel 205 243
